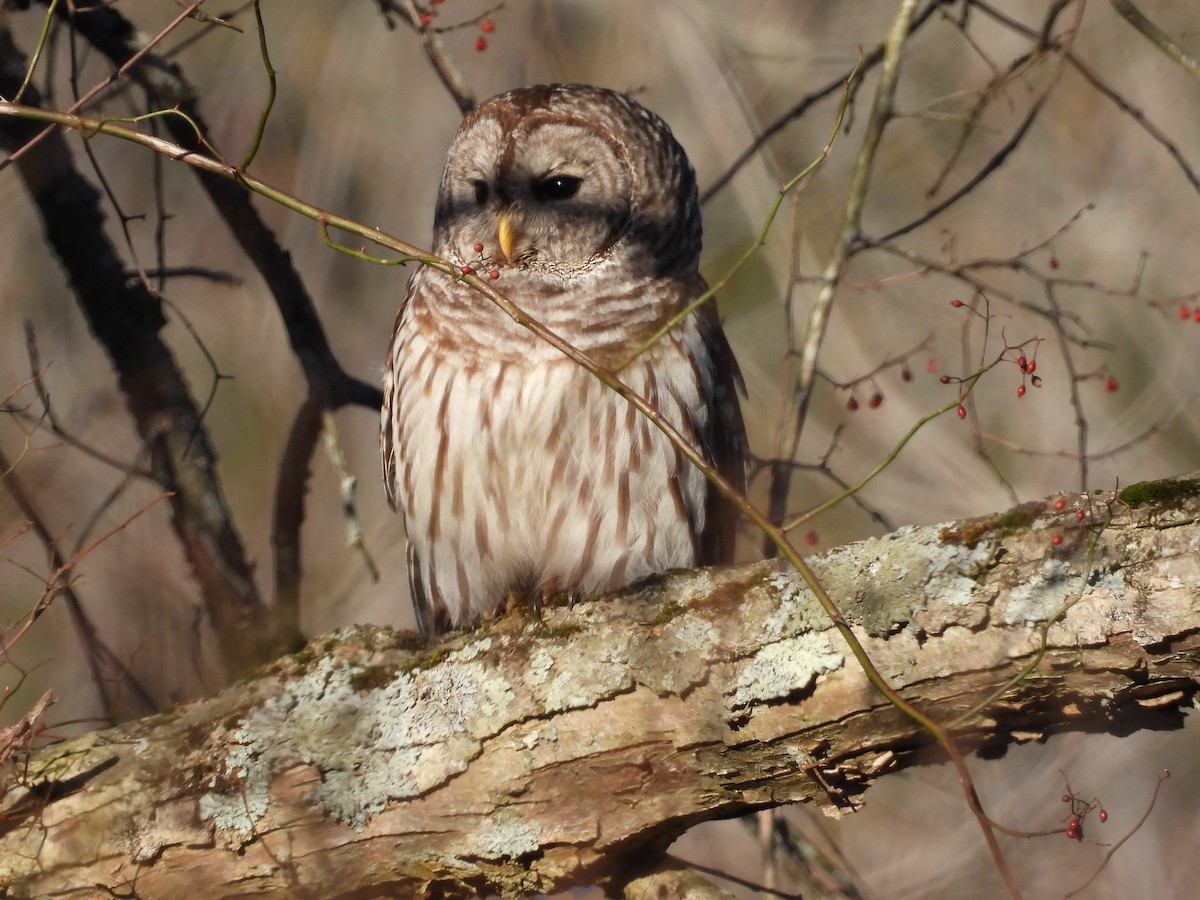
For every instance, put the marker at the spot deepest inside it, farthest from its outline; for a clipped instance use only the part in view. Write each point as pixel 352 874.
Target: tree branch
pixel 127 320
pixel 538 753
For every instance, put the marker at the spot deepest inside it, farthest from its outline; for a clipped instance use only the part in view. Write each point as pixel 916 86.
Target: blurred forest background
pixel 1084 236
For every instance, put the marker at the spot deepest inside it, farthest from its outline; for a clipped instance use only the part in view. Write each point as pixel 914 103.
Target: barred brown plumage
pixel 518 473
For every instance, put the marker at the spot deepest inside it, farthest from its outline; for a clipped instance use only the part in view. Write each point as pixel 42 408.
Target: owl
pixel 519 475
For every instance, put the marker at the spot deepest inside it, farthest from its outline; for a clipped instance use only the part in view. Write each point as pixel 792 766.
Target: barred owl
pixel 519 474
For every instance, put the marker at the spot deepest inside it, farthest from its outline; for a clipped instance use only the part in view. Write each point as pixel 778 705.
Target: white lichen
pixel 949 577
pixel 784 668
pixel 541 661
pixel 369 744
pixel 795 612
pixel 694 635
pixel 1041 596
pixel 505 836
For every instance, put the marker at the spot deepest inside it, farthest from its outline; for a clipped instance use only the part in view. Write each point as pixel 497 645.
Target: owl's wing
pixel 391 389
pixel 387 444
pixel 431 615
pixel 430 611
pixel 723 440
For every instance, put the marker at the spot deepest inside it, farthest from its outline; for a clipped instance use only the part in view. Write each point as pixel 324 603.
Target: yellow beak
pixel 506 235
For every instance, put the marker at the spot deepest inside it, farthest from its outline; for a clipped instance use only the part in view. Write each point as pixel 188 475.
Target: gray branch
pixel 538 753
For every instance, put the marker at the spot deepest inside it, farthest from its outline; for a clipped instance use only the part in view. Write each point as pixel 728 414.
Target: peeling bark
pixel 533 754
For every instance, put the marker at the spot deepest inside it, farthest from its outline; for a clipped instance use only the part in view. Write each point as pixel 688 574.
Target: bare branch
pixel 127 320
pixel 1157 37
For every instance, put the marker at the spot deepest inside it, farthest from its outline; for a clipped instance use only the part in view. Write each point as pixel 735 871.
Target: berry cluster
pixel 493 273
pixel 1079 811
pixel 486 24
pixel 1060 504
pixel 1027 367
pixel 875 400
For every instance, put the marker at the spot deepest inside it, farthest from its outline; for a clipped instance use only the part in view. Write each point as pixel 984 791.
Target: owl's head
pixel 557 179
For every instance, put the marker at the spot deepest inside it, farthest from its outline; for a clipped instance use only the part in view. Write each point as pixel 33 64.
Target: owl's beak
pixel 506 235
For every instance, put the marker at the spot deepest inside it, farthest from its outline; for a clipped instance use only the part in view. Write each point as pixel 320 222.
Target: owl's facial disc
pixel 550 194
pixel 567 184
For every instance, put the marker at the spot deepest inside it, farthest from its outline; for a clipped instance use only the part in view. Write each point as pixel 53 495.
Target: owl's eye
pixel 557 187
pixel 481 191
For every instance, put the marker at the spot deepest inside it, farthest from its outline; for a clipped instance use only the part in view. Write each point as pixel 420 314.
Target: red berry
pixel 494 274
pixel 487 25
pixel 1185 313
pixel 852 404
pixel 1022 363
pixel 905 374
pixel 1103 815
pixel 479 248
pixel 467 270
pixel 1066 798
pixel 1020 390
pixel 962 411
pixel 1110 384
pixel 1032 367
pixel 875 401
pixel 945 379
pixel 811 539
pixel 1056 540
pixel 1080 515
pixel 956 303
pixel 481 43
pixel 426 18
pixel 1060 504
pixel 1196 314
pixel 1054 262
pixel 931 366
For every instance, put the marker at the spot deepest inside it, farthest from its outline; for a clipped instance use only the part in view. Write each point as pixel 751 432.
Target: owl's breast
pixel 604 315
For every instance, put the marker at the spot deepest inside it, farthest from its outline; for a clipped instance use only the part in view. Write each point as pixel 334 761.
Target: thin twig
pixel 1157 37
pixel 451 78
pixel 97 652
pixel 801 389
pixel 269 103
pixel 865 65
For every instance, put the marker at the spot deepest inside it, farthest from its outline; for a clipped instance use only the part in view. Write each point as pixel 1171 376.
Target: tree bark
pixel 540 752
